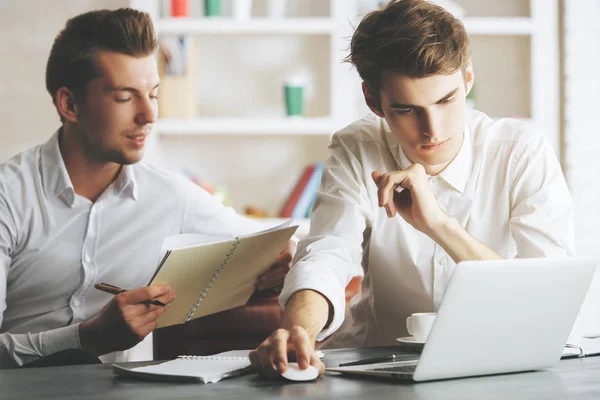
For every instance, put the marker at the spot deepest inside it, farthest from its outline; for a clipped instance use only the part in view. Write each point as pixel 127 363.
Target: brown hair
pixel 72 59
pixel 413 37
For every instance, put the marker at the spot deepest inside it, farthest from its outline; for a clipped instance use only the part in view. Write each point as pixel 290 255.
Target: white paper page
pixel 192 239
pixel 187 240
pixel 210 370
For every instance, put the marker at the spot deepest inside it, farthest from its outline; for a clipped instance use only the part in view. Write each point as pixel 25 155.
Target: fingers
pixel 303 346
pixel 136 296
pixel 273 348
pixel 317 363
pixel 388 183
pixel 272 279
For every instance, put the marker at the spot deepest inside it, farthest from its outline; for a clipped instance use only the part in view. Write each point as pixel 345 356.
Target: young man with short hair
pixel 82 209
pixel 413 189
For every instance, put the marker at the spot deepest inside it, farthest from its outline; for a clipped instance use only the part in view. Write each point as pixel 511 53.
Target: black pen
pixel 373 360
pixel 105 287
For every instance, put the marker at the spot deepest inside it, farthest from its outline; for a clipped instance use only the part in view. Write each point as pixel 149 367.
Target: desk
pixel 570 379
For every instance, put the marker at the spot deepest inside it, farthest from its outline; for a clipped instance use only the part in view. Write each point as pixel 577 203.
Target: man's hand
pixel 125 320
pixel 274 277
pixel 416 203
pixel 305 315
pixel 270 359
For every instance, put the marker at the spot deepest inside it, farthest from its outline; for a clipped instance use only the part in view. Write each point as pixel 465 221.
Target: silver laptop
pixel 498 317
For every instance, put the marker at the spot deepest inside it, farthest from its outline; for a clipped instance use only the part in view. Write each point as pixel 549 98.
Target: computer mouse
pixel 294 373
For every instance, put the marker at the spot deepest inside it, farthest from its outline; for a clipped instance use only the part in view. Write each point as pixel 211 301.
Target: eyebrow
pixel 444 98
pixel 127 88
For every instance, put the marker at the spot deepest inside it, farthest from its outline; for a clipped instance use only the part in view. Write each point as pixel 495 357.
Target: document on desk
pixel 201 369
pixel 579 346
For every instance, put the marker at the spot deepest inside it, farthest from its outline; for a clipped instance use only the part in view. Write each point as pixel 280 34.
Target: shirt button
pixel 76 303
pixel 87 258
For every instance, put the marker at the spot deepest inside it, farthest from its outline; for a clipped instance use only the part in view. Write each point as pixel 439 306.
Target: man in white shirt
pixel 412 190
pixel 81 208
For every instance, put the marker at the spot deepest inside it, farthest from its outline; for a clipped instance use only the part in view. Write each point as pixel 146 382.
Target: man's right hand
pixel 270 359
pixel 125 320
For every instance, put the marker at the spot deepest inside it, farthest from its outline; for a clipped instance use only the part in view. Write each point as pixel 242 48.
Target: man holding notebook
pixel 413 189
pixel 82 209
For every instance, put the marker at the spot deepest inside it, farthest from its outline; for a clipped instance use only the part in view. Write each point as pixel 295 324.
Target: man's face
pixel 118 109
pixel 426 115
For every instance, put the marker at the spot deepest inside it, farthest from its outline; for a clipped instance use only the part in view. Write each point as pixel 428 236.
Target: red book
pixel 286 211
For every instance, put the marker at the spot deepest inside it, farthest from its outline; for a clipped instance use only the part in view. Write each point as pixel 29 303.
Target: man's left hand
pixel 274 277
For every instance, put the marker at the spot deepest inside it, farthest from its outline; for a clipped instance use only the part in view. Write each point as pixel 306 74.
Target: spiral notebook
pixel 202 369
pixel 199 369
pixel 216 276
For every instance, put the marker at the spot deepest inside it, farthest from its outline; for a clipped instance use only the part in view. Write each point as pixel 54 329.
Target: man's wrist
pixel 445 228
pixel 86 336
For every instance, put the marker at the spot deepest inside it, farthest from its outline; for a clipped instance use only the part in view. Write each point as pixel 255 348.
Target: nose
pixel 147 111
pixel 431 124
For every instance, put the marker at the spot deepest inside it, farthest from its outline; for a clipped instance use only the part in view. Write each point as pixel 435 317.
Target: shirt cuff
pixel 328 284
pixel 60 339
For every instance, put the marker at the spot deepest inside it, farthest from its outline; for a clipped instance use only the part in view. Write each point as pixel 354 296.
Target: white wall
pixel 582 119
pixel 27 30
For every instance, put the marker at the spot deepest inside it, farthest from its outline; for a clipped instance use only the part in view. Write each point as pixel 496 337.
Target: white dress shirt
pixel 55 245
pixel 505 187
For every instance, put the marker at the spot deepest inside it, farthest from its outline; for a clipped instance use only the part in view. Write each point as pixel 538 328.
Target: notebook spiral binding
pixel 185 357
pixel 212 280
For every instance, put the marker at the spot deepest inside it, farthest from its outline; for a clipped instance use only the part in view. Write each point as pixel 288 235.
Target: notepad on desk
pixel 210 275
pixel 199 369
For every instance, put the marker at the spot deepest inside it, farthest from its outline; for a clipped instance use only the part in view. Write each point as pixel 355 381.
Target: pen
pixel 373 360
pixel 105 287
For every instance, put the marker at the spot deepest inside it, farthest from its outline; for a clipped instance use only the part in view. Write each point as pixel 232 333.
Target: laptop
pixel 497 317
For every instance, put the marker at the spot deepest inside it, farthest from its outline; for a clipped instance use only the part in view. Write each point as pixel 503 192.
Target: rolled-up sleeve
pixel 332 253
pixel 542 216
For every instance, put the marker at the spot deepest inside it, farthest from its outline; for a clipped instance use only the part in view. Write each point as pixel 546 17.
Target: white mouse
pixel 294 373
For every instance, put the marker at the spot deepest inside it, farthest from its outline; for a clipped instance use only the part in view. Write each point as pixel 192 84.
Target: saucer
pixel 411 341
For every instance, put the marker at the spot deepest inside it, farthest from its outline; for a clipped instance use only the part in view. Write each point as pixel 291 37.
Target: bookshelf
pixel 515 44
pixel 246 126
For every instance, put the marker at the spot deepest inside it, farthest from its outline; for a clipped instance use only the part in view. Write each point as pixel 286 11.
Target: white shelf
pixel 220 25
pixel 321 26
pixel 499 25
pixel 243 126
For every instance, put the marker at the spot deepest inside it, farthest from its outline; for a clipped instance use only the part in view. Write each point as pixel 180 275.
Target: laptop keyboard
pixel 399 368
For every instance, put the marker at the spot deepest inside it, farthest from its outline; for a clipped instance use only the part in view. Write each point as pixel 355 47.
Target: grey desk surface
pixel 569 379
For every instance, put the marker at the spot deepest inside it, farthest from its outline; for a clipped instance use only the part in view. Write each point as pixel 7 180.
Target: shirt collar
pixel 455 174
pixel 56 181
pixel 126 184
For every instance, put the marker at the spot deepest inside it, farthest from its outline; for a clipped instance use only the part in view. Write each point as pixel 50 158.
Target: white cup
pixel 419 325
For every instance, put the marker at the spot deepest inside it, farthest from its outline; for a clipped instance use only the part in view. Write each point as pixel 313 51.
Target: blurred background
pixel 253 89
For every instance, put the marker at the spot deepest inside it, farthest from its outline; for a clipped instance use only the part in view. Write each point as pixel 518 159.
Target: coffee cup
pixel 419 325
pixel 294 96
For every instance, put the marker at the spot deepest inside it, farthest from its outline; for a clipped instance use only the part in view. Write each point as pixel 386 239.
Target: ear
pixel 371 101
pixel 65 103
pixel 469 77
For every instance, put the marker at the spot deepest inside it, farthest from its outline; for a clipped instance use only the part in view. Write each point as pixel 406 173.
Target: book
pixel 199 369
pixel 288 207
pixel 579 346
pixel 209 274
pixel 306 199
